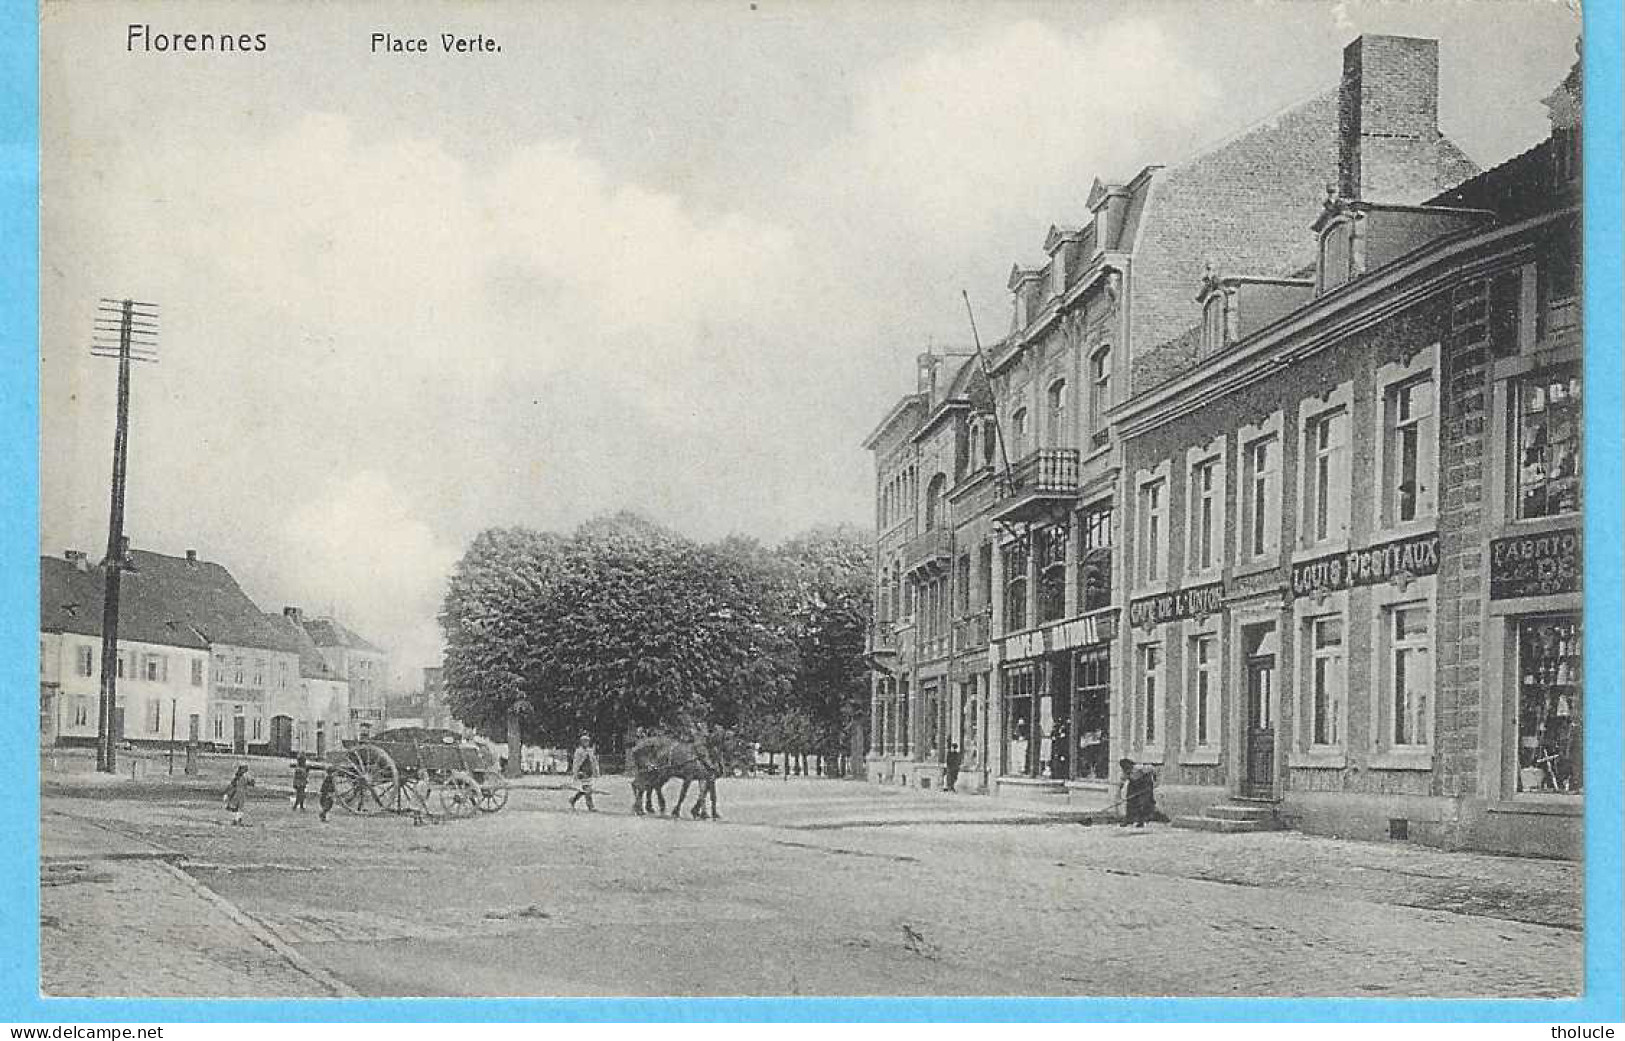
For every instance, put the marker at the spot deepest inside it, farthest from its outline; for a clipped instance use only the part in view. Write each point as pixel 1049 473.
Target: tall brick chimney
pixel 294 614
pixel 1388 120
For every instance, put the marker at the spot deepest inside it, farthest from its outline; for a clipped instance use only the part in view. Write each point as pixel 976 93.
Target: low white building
pixel 163 662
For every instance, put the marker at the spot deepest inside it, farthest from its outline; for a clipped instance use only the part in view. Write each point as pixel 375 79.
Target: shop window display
pixel 1550 696
pixel 1092 672
pixel 1549 443
pixel 1019 750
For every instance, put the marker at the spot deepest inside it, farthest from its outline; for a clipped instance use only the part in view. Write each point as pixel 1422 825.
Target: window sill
pixel 1320 549
pixel 1542 525
pixel 1199 757
pixel 1319 759
pixel 1549 805
pixel 1421 759
pixel 1150 757
pixel 1256 565
pixel 1404 530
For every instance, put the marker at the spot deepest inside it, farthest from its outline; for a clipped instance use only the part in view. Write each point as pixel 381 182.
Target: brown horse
pixel 656 760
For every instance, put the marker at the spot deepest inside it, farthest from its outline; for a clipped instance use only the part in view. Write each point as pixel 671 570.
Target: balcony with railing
pixel 882 639
pixel 930 551
pixel 971 632
pixel 1036 483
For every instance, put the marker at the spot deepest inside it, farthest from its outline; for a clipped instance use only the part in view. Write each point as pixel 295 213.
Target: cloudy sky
pixel 669 257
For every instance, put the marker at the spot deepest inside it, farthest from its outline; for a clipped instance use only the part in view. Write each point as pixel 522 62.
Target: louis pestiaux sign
pixel 1413 557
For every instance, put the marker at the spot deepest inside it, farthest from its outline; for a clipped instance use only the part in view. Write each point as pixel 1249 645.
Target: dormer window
pixel 1215 334
pixel 1341 252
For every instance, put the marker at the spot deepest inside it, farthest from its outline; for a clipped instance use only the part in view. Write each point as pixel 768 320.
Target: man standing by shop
pixel 584 765
pixel 956 759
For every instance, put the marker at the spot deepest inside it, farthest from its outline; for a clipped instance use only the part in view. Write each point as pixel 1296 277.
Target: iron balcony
pixel 1041 480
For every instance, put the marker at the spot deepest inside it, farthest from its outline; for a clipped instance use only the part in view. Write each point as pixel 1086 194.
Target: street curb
pixel 337 987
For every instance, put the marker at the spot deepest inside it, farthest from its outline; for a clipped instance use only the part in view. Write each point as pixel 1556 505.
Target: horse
pixel 656 760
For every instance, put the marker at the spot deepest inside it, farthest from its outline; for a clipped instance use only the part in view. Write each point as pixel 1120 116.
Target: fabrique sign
pixel 1536 565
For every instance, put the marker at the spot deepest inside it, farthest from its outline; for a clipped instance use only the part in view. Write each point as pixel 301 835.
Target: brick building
pixel 1353 524
pixel 1217 396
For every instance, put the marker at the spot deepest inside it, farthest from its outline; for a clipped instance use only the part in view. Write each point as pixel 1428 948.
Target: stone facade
pixel 1256 514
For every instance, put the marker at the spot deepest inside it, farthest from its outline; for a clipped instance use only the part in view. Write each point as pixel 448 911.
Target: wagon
pixel 418 770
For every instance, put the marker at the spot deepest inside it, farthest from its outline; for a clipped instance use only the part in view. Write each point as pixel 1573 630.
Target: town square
pixel 1015 500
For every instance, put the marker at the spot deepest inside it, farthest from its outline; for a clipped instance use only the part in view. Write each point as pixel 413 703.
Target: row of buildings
pixel 1274 483
pixel 199 662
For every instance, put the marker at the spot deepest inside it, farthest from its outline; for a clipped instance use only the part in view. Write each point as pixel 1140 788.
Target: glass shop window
pixel 1550 699
pixel 1549 443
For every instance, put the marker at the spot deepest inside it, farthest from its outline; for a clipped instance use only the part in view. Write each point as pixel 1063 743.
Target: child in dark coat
pixel 236 794
pixel 329 790
pixel 301 778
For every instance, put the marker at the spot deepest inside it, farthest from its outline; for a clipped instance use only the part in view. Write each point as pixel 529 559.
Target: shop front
pixel 1056 700
pixel 1536 665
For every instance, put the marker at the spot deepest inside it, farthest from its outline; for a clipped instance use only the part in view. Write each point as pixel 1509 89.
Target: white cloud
pixel 363 548
pixel 1017 122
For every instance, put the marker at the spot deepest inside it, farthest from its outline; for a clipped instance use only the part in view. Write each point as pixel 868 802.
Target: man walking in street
pixel 956 758
pixel 584 765
pixel 301 778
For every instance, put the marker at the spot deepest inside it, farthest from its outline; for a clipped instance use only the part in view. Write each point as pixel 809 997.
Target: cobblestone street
pixel 808 887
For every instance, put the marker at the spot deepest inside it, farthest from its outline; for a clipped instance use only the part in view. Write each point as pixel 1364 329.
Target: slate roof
pixel 70 601
pixel 330 632
pixel 312 666
pixel 1518 188
pixel 162 599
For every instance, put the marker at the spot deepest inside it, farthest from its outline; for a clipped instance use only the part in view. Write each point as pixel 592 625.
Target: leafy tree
pixel 624 624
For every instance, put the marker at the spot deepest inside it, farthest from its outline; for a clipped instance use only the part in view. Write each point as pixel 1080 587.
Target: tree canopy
pixel 624 624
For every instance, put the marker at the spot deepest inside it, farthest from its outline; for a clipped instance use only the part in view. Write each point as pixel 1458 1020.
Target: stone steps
pixel 1235 817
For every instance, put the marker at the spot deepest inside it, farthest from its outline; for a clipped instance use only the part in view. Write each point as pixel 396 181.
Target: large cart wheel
pixel 491 792
pixel 414 795
pixel 367 780
pixel 457 796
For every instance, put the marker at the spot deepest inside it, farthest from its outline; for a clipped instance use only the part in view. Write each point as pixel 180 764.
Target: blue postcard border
pixel 19 474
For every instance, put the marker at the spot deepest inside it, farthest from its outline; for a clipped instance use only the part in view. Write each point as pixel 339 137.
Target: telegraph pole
pixel 126 330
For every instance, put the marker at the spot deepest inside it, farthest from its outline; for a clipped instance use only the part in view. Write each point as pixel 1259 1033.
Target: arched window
pixel 935 502
pixel 1339 253
pixel 1018 432
pixel 1100 393
pixel 990 441
pixel 1057 433
pixel 1016 557
pixel 1215 333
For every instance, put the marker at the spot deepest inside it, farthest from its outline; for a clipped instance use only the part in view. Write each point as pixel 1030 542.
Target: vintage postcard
pixel 838 500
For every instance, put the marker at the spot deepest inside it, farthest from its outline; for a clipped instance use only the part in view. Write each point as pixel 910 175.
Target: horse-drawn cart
pixel 420 771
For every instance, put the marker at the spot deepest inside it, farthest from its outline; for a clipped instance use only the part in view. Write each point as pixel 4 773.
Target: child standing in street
pixel 301 778
pixel 329 789
pixel 237 794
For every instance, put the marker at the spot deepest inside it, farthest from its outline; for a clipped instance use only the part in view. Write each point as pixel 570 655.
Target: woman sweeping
pixel 1139 793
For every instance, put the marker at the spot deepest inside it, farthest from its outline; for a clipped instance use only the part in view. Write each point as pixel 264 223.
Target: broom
pixel 1156 815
